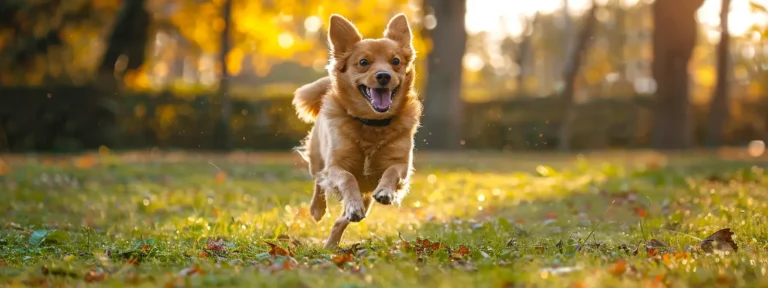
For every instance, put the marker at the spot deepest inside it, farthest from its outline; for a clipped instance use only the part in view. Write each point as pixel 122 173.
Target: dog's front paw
pixel 354 211
pixel 384 196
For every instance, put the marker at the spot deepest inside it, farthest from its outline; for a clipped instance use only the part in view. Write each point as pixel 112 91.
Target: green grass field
pixel 178 219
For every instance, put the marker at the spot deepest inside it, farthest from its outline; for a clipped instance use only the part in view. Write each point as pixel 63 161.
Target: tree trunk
pixel 524 53
pixel 570 71
pixel 222 139
pixel 129 37
pixel 442 129
pixel 674 38
pixel 718 110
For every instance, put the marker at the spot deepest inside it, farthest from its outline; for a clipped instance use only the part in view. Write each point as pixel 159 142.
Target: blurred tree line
pixel 219 74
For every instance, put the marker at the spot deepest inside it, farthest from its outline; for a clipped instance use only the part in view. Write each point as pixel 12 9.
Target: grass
pixel 524 220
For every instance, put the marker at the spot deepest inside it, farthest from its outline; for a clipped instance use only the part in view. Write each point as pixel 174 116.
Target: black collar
pixel 375 122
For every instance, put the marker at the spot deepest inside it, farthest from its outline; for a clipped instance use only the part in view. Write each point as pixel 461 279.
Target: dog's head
pixel 373 76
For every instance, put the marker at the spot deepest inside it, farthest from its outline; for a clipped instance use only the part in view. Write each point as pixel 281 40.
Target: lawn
pixel 610 219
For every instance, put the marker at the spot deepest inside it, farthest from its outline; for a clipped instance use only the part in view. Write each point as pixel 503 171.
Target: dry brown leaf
pixel 341 259
pixel 579 285
pixel 618 267
pixel 631 250
pixel 85 162
pixel 654 247
pixel 277 266
pixel 640 212
pixel 191 271
pixel 216 246
pixel 278 251
pixel 460 253
pixel 720 240
pixel 221 177
pixel 657 281
pixel 293 241
pixel 95 276
pixel 4 168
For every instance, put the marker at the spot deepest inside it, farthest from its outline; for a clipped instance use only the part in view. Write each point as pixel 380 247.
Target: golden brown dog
pixel 365 115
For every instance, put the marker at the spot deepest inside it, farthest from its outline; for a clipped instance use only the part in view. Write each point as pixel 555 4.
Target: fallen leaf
pixel 95 276
pixel 216 246
pixel 551 215
pixel 720 240
pixel 618 267
pixel 724 279
pixel 221 177
pixel 4 168
pixel 654 247
pixel 424 246
pixel 640 212
pixel 279 265
pixel 85 162
pixel 460 253
pixel 629 249
pixel 341 259
pixel 293 241
pixel 39 237
pixel 657 281
pixel 406 244
pixel 132 278
pixel 133 261
pixel 278 251
pixel 579 285
pixel 191 271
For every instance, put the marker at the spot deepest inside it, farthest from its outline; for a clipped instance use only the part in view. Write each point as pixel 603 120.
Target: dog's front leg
pixel 394 180
pixel 346 184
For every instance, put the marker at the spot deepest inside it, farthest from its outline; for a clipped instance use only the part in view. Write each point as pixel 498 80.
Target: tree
pixel 223 140
pixel 674 37
pixel 443 102
pixel 718 109
pixel 570 71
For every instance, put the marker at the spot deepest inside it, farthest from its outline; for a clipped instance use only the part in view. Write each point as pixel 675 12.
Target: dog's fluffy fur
pixel 357 161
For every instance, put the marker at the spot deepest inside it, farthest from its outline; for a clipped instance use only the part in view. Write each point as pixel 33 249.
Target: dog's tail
pixel 309 98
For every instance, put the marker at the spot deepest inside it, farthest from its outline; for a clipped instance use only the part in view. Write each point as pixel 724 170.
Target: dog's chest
pixel 371 145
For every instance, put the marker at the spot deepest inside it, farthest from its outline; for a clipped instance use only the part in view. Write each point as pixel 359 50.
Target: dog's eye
pixel 364 62
pixel 396 61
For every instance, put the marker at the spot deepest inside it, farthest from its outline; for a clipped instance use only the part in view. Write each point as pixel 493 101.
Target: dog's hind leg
pixel 341 224
pixel 336 232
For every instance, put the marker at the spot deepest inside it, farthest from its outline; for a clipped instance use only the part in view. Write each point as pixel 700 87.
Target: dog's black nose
pixel 383 78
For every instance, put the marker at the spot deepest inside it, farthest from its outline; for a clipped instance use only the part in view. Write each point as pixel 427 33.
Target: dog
pixel 365 115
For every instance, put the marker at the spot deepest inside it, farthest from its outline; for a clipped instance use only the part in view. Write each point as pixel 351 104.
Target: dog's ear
pixel 399 30
pixel 342 34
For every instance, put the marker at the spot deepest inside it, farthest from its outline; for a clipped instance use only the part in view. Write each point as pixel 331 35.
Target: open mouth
pixel 380 98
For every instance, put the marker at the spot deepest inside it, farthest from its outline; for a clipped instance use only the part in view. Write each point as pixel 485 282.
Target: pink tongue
pixel 381 98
